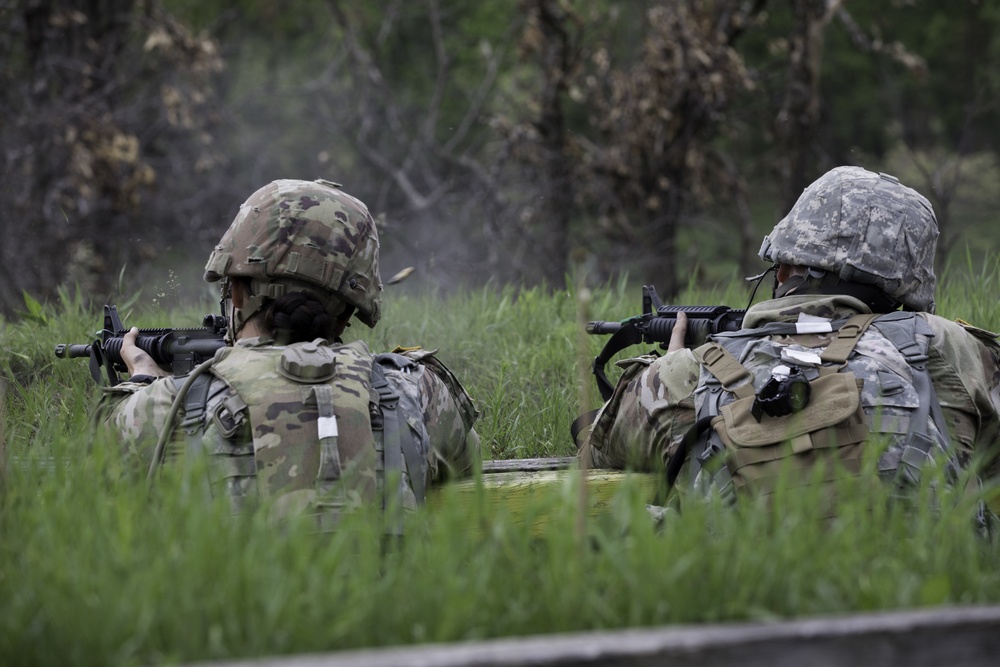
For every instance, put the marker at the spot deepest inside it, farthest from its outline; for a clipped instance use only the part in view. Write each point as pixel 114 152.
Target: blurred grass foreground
pixel 96 570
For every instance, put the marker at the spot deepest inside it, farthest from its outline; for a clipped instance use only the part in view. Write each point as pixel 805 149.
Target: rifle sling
pixel 580 424
pixel 628 335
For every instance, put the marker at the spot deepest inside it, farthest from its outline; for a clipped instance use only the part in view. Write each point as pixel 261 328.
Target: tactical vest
pixel 315 429
pixel 858 392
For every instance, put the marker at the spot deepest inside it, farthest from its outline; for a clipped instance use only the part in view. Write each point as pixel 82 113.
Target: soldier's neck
pixel 252 329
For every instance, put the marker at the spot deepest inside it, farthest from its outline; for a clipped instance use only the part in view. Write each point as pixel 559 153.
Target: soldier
pixel 286 412
pixel 828 365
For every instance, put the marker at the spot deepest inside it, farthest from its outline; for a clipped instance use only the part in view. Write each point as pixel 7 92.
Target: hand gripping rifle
pixel 655 325
pixel 179 350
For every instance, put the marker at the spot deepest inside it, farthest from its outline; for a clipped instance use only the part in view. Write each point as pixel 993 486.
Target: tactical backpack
pixel 316 428
pixel 770 407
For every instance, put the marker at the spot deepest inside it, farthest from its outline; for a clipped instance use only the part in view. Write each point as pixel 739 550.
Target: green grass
pixel 96 570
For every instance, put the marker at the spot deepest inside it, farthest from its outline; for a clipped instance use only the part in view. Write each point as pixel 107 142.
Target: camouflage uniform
pixel 310 427
pixel 246 460
pixel 654 400
pixel 855 230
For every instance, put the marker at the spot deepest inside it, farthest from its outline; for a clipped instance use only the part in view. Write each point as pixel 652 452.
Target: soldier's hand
pixel 678 333
pixel 138 362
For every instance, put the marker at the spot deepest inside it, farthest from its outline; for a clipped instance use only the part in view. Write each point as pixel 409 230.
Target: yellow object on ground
pixel 530 491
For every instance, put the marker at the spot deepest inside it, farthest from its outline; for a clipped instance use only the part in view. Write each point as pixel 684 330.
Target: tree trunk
pixel 798 118
pixel 551 127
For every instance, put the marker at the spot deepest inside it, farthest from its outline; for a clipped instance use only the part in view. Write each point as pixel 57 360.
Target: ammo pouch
pixel 831 428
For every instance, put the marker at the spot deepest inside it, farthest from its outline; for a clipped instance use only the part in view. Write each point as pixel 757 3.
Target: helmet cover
pixel 293 234
pixel 864 228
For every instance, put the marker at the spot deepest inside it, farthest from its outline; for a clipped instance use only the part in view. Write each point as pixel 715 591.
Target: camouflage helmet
pixel 303 235
pixel 864 228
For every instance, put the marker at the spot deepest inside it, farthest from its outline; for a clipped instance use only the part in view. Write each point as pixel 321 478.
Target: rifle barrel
pixel 599 327
pixel 72 351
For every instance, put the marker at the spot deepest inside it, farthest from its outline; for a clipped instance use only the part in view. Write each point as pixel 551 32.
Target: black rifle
pixel 655 326
pixel 178 350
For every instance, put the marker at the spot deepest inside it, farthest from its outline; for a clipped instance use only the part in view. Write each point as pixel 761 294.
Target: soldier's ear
pixel 786 271
pixel 238 293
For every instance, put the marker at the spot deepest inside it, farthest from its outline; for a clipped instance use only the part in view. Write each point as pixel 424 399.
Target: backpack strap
pixel 910 335
pixel 192 394
pixel 726 368
pixel 840 348
pixel 195 400
pixel 398 443
pixel 409 446
pixel 916 451
pixel 387 434
pixel 330 467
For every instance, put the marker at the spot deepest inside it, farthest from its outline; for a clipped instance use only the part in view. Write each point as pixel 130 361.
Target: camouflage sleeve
pixel 449 415
pixel 135 414
pixel 964 368
pixel 651 409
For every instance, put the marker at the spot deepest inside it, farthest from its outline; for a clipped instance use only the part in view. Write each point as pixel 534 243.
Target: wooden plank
pixel 520 488
pixel 525 496
pixel 606 476
pixel 957 637
pixel 511 465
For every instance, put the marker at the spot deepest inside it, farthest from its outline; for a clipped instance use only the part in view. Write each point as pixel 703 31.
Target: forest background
pixel 509 140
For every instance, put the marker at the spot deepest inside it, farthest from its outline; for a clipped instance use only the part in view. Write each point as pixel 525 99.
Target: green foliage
pixel 33 309
pixel 95 569
pixel 514 349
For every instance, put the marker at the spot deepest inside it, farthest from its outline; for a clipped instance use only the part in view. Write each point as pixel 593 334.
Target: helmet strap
pixel 797 283
pixel 760 278
pixel 237 318
pixel 228 310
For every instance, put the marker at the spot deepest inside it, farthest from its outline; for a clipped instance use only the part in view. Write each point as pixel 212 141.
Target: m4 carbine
pixel 178 350
pixel 655 325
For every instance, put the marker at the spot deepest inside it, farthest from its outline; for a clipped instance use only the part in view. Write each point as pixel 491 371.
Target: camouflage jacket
pixel 262 433
pixel 653 404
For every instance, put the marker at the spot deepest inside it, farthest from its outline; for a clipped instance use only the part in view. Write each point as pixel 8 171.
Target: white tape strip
pixel 327 427
pixel 812 327
pixel 812 324
pixel 801 357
